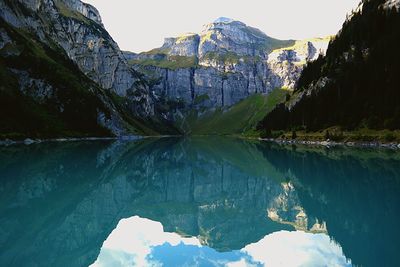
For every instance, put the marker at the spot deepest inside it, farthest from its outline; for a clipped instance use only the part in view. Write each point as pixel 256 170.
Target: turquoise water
pixel 197 202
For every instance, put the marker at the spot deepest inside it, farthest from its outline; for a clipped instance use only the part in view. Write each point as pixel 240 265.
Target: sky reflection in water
pixel 141 242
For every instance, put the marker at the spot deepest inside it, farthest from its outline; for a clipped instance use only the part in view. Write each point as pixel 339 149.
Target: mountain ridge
pixel 225 63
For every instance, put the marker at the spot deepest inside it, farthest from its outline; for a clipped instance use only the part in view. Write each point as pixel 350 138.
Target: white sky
pixel 140 25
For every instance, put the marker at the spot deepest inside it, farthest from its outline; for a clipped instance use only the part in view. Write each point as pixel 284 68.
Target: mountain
pixel 355 86
pixel 224 64
pixel 63 75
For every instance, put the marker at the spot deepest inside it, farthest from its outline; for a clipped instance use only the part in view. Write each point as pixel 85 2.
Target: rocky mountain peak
pixel 231 36
pixel 227 62
pixel 222 36
pixel 223 20
pixel 85 9
pixel 231 29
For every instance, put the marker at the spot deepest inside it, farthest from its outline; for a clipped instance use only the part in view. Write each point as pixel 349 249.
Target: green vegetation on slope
pixel 135 124
pixel 337 134
pixel 67 12
pixel 273 44
pixel 360 73
pixel 201 98
pixel 157 51
pixel 230 57
pixel 43 94
pixel 240 119
pixel 172 62
pixel 70 107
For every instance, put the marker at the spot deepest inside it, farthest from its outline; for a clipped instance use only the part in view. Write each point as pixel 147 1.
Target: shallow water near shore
pixel 200 201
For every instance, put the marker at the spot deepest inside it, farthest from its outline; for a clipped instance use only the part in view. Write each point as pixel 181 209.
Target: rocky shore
pixel 328 143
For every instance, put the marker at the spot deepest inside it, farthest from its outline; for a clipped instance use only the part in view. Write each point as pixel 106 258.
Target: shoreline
pixel 30 141
pixel 328 143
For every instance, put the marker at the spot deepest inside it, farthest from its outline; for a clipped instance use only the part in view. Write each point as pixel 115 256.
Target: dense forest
pixel 356 85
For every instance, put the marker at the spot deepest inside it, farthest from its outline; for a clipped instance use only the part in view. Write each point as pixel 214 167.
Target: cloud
pixel 297 248
pixel 132 241
pixel 141 242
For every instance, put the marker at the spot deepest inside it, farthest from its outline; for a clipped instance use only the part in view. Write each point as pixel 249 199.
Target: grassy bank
pixel 239 119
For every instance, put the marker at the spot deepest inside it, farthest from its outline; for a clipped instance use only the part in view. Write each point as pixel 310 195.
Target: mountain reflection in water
pixel 197 201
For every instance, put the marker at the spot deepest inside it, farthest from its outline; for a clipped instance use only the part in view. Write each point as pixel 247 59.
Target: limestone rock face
pixel 287 63
pixel 76 27
pixel 86 10
pixel 227 62
pixel 232 36
pixel 186 45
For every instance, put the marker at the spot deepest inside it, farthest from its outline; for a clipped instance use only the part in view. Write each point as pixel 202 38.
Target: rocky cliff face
pixel 74 28
pixel 43 94
pixel 227 62
pixel 77 28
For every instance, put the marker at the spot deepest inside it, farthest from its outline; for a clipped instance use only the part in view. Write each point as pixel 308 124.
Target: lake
pixel 208 201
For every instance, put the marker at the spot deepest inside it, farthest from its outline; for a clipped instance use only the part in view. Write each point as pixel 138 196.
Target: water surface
pixel 197 202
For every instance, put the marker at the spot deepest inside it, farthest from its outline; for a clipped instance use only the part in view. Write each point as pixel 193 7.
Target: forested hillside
pixel 356 85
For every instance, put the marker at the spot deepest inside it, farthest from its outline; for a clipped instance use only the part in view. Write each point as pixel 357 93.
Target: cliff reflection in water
pixel 230 198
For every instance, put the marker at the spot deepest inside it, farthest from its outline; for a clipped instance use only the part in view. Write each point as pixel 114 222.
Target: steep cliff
pixel 73 31
pixel 226 63
pixel 356 84
pixel 43 94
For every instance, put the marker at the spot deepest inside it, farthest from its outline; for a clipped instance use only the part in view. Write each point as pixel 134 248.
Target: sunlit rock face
pixel 287 63
pixel 86 10
pixel 185 45
pixel 76 29
pixel 227 62
pixel 233 36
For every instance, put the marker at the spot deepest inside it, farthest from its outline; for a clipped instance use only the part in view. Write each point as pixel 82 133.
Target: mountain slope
pixel 57 54
pixel 43 94
pixel 356 84
pixel 239 119
pixel 227 62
